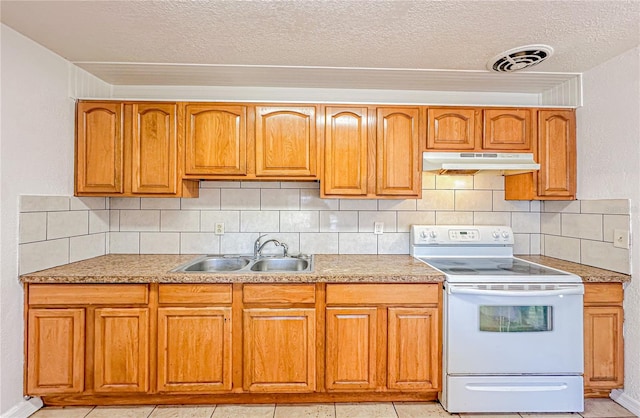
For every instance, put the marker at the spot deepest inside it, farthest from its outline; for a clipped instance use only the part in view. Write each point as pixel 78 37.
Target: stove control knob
pixel 423 234
pixel 505 234
pixel 495 234
pixel 433 234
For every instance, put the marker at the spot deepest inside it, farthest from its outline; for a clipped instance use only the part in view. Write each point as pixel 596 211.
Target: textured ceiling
pixel 119 37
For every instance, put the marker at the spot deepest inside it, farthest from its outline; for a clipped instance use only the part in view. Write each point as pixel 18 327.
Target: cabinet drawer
pixel 367 294
pixel 603 293
pixel 195 293
pixel 88 294
pixel 279 293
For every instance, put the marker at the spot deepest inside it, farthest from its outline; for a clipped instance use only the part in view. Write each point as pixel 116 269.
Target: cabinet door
pixel 215 140
pixel 413 356
pixel 279 350
pixel 603 347
pixel 345 151
pixel 454 129
pixel 153 148
pixel 286 141
pixel 507 130
pixel 398 154
pixel 55 351
pixel 351 345
pixel 99 141
pixel 121 352
pixel 194 349
pixel 557 153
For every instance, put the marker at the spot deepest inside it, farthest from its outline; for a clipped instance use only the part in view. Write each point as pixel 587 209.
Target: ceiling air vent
pixel 517 59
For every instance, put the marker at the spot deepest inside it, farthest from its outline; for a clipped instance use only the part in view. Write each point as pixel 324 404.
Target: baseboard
pixel 24 409
pixel 625 400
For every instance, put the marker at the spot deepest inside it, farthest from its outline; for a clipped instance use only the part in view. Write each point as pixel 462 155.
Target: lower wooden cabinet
pixel 413 356
pixel 603 339
pixel 55 351
pixel 279 350
pixel 351 348
pixel 331 342
pixel 121 356
pixel 194 349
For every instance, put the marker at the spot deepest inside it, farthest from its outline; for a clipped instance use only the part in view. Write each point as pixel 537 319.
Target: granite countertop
pixel 587 273
pixel 361 268
pixel 133 268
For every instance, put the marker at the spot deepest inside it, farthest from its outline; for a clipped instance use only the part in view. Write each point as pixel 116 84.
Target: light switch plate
pixel 621 238
pixel 378 228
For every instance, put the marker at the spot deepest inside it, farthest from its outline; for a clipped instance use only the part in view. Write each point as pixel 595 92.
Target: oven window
pixel 515 318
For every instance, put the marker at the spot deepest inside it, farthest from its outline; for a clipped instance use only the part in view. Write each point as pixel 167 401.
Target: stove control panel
pixel 461 235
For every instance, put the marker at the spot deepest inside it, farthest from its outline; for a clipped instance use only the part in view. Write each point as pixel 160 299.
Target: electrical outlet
pixel 378 228
pixel 621 238
pixel 219 230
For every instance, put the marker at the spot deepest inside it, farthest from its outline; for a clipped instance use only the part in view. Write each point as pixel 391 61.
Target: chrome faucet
pixel 257 246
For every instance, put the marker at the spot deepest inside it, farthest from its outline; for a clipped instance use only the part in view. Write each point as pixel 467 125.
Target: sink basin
pixel 216 264
pixel 280 264
pixel 246 264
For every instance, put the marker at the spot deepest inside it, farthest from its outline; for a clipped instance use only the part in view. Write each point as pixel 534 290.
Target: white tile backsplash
pixel 159 243
pixel 41 255
pixel 585 226
pixel 87 246
pixel 44 203
pixel 281 199
pixel 438 200
pixel 180 220
pixel 139 220
pixel 473 200
pixel 124 242
pixel 98 221
pixel 33 227
pixel 352 243
pixel 339 221
pixel 67 224
pixel 300 221
pixel 366 221
pixel 240 199
pixel 310 200
pixel 199 243
pixel 259 221
pixel 309 224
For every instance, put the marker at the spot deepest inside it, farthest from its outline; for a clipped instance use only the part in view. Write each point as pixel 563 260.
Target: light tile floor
pixel 594 408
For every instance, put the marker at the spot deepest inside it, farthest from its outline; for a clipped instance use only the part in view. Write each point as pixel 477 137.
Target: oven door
pixel 513 329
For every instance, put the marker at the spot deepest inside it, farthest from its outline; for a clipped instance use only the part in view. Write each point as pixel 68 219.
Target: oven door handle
pixel 578 290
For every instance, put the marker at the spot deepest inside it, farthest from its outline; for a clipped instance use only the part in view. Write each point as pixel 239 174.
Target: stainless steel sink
pixel 214 264
pixel 246 264
pixel 280 264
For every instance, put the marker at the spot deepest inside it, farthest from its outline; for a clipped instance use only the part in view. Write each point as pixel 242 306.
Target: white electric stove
pixel 512 332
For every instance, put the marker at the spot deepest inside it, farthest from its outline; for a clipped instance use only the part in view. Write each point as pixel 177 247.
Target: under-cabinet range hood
pixel 471 162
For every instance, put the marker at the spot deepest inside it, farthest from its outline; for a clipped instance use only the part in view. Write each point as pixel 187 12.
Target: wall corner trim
pixel 24 409
pixel 625 400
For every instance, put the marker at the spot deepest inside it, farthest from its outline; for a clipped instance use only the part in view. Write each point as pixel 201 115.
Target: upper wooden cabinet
pixel 398 171
pixel 215 139
pixel 346 144
pixel 556 154
pixel 128 149
pixel 249 142
pixel 372 152
pixel 99 148
pixel 507 130
pixel 285 141
pixel 454 129
pixel 476 129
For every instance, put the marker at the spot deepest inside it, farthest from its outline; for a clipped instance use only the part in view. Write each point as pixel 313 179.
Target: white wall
pixel 36 150
pixel 609 168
